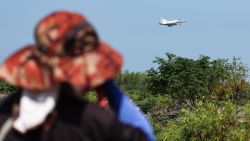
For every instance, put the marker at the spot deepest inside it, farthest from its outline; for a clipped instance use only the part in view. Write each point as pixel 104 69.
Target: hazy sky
pixel 216 28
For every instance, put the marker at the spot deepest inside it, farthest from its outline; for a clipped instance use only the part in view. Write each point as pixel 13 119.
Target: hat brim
pixel 88 70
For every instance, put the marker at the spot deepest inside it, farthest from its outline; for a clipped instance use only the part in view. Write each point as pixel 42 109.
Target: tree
pixel 188 80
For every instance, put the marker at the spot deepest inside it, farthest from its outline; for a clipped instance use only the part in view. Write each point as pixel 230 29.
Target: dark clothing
pixel 74 120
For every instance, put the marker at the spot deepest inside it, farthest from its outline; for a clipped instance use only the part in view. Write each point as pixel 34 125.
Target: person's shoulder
pixel 94 112
pixel 73 110
pixel 94 120
pixel 105 123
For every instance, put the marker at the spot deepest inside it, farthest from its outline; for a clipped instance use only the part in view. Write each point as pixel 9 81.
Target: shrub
pixel 208 122
pixel 6 88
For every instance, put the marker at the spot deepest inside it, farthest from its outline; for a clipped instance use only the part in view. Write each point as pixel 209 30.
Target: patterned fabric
pixel 67 50
pixel 62 33
pixel 25 70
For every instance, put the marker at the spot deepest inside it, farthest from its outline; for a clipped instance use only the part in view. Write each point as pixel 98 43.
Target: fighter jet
pixel 170 23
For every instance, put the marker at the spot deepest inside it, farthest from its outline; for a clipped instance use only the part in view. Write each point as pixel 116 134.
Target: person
pixel 67 60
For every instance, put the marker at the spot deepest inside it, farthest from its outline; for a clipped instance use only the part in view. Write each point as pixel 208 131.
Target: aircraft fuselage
pixel 170 22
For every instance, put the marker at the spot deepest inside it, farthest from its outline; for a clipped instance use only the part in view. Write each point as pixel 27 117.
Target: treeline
pixel 189 99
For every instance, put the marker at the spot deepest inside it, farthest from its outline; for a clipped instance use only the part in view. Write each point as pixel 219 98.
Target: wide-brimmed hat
pixel 67 49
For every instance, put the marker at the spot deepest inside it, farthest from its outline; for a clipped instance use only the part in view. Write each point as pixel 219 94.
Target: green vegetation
pixel 190 99
pixel 207 122
pixel 189 81
pixel 193 100
pixel 6 88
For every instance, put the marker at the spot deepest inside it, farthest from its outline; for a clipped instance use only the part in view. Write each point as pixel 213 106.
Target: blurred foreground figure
pixel 67 60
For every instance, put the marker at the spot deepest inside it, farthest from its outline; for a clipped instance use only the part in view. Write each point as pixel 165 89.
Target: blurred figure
pixel 67 60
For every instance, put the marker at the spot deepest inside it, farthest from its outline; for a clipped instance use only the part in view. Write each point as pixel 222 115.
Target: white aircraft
pixel 170 23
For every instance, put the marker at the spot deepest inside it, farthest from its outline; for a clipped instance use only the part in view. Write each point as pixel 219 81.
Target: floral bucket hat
pixel 67 49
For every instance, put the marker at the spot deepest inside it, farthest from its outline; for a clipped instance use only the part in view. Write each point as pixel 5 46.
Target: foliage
pixel 131 80
pixel 6 88
pixel 208 122
pixel 188 80
pixel 217 91
pixel 90 96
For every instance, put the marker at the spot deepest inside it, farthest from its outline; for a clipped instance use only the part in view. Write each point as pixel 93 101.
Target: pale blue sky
pixel 216 28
